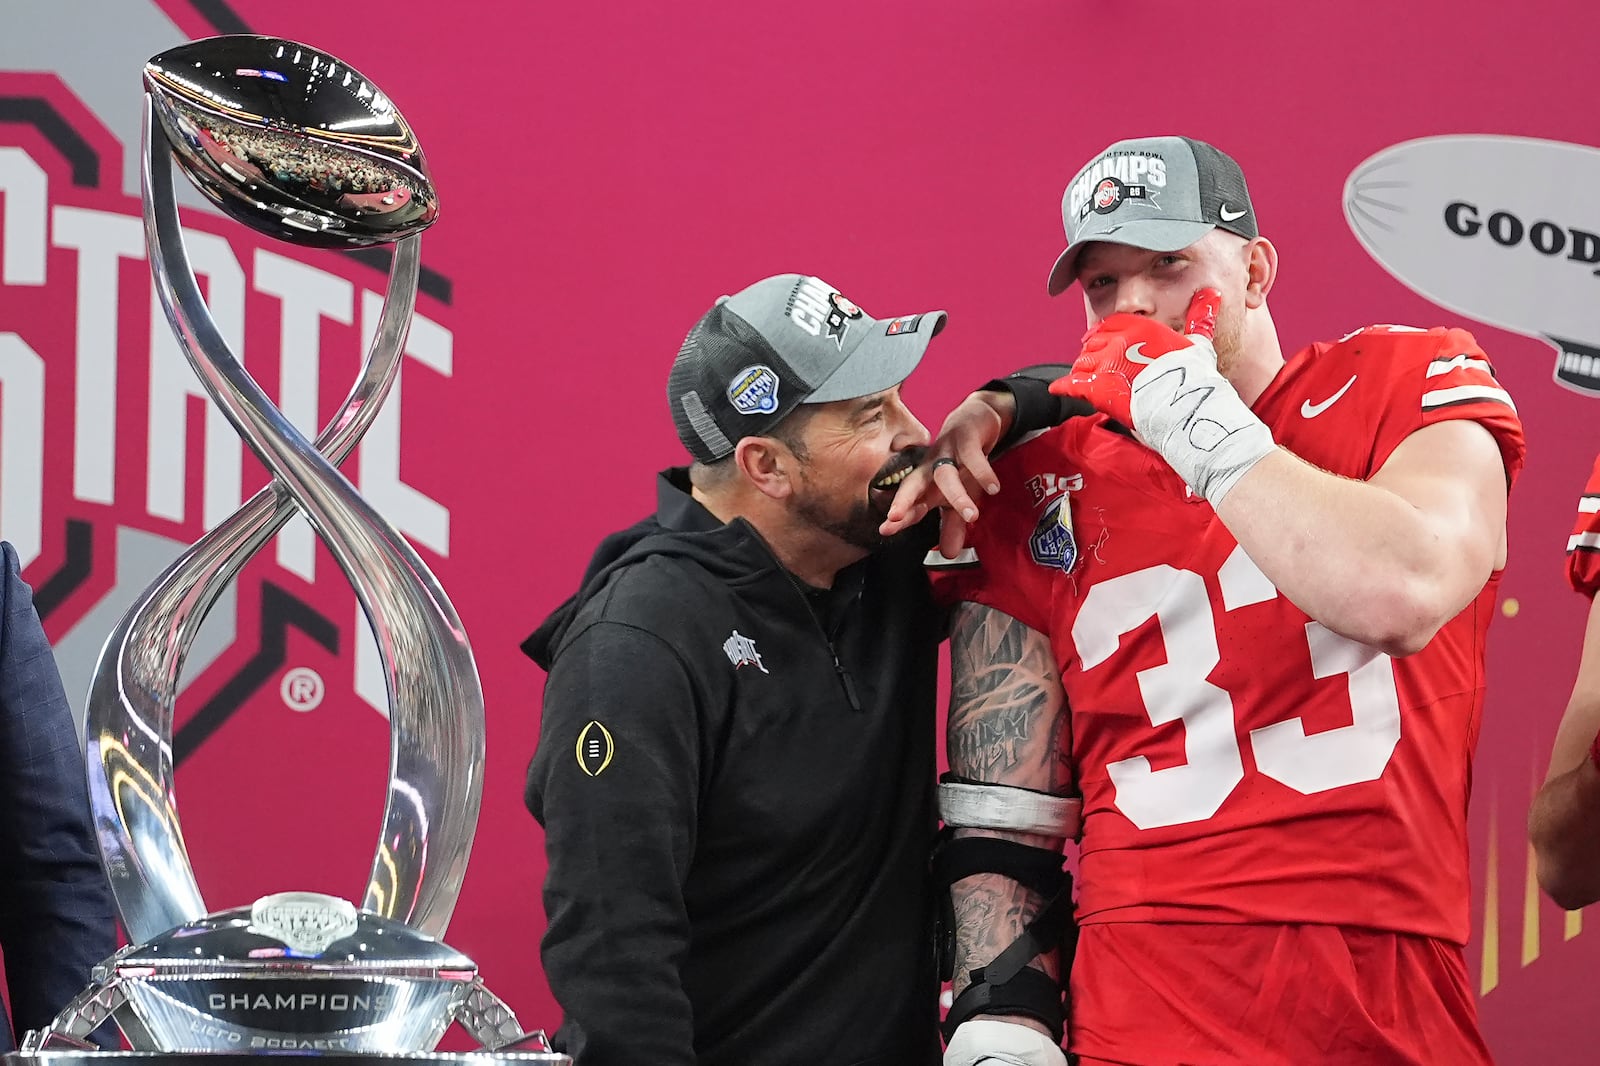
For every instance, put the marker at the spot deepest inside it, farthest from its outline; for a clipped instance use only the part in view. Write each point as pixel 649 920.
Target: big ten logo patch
pixel 1043 486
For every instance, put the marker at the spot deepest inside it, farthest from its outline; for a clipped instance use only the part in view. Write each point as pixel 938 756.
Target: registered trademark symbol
pixel 302 689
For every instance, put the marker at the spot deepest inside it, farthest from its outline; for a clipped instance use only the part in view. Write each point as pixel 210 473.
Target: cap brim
pixel 1151 234
pixel 880 361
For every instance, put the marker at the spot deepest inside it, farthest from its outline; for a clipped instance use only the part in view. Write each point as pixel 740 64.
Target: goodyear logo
pixel 595 749
pixel 754 391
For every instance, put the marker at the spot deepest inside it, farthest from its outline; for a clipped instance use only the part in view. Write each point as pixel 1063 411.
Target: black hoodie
pixel 738 847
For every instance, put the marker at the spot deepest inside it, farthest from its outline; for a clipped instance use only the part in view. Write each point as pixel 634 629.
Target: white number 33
pixel 1178 690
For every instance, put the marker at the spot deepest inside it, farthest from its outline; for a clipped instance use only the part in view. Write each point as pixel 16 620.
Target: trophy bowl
pixel 291 141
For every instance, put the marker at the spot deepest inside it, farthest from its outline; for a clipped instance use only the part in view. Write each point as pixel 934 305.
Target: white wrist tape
pixel 1185 409
pixel 988 1042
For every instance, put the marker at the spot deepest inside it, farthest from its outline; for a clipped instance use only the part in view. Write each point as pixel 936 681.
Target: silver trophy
pixel 297 145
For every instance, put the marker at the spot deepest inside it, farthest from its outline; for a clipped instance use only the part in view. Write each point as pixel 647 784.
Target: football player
pixel 1229 634
pixel 1564 822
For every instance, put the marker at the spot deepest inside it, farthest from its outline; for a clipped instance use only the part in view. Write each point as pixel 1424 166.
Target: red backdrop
pixel 606 171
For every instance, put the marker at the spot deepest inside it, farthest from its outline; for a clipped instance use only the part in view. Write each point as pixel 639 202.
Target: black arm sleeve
pixel 1037 408
pixel 619 837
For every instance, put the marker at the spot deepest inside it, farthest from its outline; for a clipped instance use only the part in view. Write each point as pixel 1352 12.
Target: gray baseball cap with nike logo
pixel 1157 193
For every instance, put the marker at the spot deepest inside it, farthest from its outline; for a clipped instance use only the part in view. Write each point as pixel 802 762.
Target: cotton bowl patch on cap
pixel 1157 193
pixel 786 340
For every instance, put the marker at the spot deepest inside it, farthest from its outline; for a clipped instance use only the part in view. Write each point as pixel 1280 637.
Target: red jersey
pixel 1239 762
pixel 1583 547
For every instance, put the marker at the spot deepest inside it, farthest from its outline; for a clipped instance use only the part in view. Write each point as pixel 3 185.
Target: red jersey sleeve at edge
pixel 1583 547
pixel 1442 375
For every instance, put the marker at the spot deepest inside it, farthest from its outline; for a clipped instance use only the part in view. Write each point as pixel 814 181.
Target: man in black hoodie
pixel 736 758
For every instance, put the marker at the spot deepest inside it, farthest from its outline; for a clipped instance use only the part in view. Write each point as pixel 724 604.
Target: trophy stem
pixel 435 700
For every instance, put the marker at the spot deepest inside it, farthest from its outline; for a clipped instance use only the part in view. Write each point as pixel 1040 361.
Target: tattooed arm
pixel 1008 725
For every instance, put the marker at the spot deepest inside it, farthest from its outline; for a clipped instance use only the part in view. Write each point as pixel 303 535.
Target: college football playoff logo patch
pixel 595 749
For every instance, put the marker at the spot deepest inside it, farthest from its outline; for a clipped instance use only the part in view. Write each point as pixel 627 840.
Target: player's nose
pixel 1135 296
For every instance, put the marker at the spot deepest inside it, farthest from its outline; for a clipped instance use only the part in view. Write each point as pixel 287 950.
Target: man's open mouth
pixel 889 482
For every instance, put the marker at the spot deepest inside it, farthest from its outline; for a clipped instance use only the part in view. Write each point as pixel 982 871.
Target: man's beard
pixel 856 524
pixel 1228 339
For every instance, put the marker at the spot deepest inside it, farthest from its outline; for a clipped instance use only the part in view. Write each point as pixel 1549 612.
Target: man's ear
pixel 1261 270
pixel 768 464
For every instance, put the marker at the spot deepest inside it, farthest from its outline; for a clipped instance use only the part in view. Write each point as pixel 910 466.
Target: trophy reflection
pixel 297 145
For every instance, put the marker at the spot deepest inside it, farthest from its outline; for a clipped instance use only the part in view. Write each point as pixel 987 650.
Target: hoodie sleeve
pixel 615 783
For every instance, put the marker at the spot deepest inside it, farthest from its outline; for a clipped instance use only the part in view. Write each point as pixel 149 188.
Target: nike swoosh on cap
pixel 1229 215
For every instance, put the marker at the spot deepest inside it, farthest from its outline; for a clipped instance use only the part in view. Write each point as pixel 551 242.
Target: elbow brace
pixel 1007 984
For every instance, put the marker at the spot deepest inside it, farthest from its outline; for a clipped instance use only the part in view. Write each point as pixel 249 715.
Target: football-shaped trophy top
pixel 291 141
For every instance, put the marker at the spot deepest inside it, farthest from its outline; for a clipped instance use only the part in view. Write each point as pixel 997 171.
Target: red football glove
pixel 1122 345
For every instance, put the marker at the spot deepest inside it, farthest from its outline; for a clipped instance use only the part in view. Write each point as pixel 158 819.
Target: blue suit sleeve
pixel 56 912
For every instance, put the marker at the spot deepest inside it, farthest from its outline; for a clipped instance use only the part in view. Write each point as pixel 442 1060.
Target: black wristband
pixel 1036 407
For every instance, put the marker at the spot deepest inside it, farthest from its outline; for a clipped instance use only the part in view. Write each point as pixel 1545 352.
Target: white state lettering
pixel 102 240
pixel 419 516
pixel 173 381
pixel 413 513
pixel 27 199
pixel 308 295
pixel 22 446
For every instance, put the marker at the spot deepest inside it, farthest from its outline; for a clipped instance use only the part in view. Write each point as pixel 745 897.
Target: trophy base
pixel 296 972
pixel 334 1058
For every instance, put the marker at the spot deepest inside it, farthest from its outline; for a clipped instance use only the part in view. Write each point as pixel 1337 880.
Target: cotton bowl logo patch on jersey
pixel 754 391
pixel 1053 543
